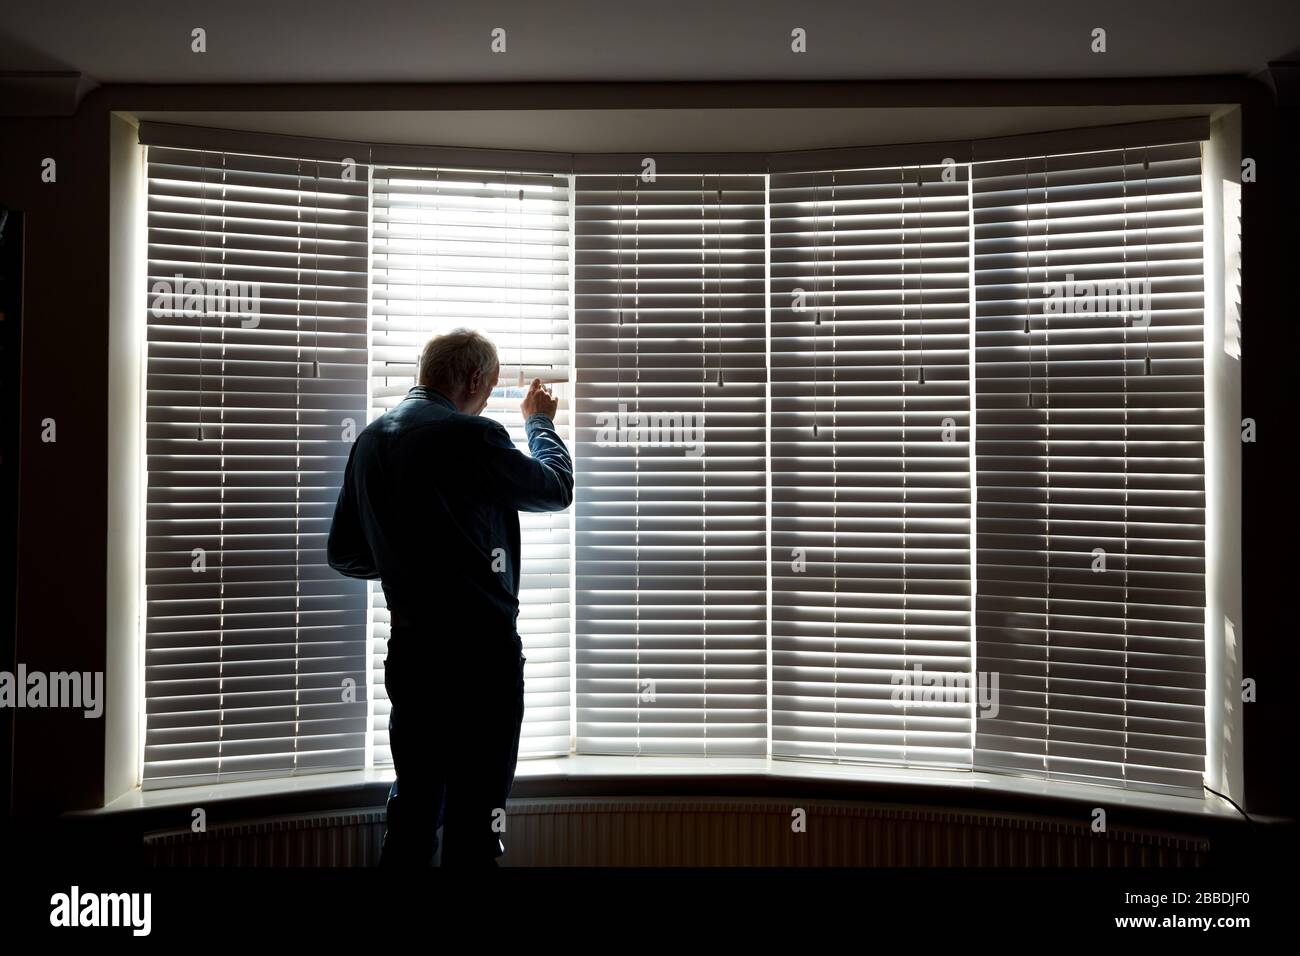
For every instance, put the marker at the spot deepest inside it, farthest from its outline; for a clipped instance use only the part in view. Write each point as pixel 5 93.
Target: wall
pixel 1270 206
pixel 58 755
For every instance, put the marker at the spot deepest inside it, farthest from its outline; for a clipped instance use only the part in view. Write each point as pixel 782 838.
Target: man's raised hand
pixel 539 401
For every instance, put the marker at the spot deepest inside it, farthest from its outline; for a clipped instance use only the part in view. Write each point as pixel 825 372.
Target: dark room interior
pixel 915 406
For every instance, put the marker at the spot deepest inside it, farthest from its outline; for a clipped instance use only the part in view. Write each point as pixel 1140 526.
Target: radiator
pixel 351 838
pixel 659 831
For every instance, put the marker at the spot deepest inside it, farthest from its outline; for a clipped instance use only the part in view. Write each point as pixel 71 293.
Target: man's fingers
pixel 538 392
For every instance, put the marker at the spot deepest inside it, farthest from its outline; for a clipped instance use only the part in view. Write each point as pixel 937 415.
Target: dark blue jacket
pixel 430 506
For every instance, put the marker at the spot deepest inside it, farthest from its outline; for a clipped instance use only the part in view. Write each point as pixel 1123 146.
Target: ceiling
pixel 257 41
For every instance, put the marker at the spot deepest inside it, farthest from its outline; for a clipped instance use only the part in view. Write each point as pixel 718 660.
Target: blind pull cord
pixel 817 298
pixel 315 334
pixel 1146 255
pixel 920 279
pixel 519 276
pixel 203 273
pixel 720 381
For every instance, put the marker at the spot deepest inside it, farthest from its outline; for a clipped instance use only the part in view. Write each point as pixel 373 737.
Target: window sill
pixel 587 775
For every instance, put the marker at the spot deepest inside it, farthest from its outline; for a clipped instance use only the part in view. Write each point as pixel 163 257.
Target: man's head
pixel 462 364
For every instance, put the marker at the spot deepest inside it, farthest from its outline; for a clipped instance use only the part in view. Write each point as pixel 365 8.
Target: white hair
pixel 448 360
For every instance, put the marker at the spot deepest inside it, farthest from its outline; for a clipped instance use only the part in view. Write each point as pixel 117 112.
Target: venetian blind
pixel 871 480
pixel 1090 465
pixel 487 250
pixel 671 475
pixel 256 335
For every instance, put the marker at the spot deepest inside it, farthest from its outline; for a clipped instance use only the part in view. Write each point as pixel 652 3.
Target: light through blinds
pixel 256 331
pixel 870 544
pixel 487 250
pixel 881 462
pixel 1090 465
pixel 670 497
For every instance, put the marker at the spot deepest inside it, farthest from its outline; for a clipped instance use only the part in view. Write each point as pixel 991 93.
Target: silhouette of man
pixel 430 506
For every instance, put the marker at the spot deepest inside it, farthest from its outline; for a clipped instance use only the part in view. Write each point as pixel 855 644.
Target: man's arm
pixel 347 550
pixel 543 482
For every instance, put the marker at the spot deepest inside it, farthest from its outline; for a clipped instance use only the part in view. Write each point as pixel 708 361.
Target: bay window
pixel 881 456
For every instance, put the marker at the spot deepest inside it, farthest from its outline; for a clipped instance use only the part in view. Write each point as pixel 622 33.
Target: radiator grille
pixel 706 832
pixel 336 839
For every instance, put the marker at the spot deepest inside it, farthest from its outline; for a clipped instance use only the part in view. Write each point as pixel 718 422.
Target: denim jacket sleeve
pixel 542 482
pixel 347 549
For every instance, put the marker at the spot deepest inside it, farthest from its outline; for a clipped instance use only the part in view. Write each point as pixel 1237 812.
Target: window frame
pixel 1204 272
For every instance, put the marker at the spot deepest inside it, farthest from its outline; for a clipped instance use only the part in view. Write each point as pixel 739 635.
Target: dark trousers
pixel 454 732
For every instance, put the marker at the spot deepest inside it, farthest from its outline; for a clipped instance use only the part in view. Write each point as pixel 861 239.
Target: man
pixel 429 506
